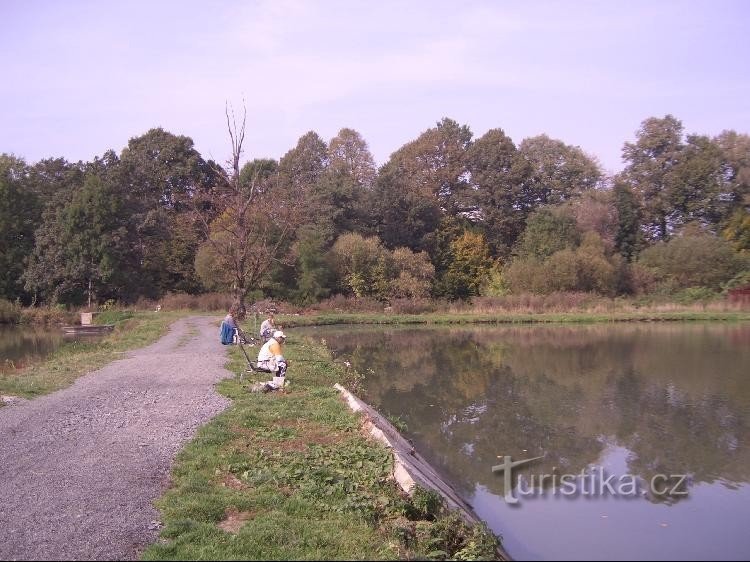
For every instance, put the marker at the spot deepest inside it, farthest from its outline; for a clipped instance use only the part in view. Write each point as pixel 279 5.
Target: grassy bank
pixel 78 358
pixel 291 476
pixel 321 319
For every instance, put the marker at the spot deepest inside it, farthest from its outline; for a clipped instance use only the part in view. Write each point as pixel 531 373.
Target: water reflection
pixel 637 399
pixel 21 345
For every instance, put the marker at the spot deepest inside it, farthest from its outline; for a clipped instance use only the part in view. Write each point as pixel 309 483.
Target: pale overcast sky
pixel 79 78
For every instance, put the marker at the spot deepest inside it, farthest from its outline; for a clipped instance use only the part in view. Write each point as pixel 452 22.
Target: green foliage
pixel 160 174
pixel 469 268
pixel 424 504
pixel 20 211
pixel 397 422
pixel 692 260
pixel 737 230
pixel 558 171
pixel 413 273
pixel 358 261
pixel 735 163
pixel 495 285
pixel 350 156
pixel 548 231
pixel 301 167
pixel 451 538
pixel 500 195
pixel 587 268
pixel 113 316
pixel 693 295
pixel 404 216
pixel 258 170
pixel 83 244
pixel 434 165
pixel 650 161
pixel 209 269
pixel 367 269
pixel 175 222
pixel 628 237
pixel 313 270
pixel 742 279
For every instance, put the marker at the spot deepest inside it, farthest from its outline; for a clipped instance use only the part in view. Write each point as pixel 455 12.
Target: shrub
pixel 742 279
pixel 414 306
pixel 548 231
pixel 207 302
pixel 414 274
pixel 10 313
pixel 585 269
pixel 360 264
pixel 691 260
pixel 342 303
pixel 692 295
pixel 48 315
pixel 469 268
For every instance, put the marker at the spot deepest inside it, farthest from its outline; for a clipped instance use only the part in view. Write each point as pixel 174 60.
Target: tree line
pixel 447 216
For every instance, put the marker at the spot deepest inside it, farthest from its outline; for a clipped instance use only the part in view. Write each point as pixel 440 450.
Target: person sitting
pixel 267 327
pixel 270 356
pixel 230 329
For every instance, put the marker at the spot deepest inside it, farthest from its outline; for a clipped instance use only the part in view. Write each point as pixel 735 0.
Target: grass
pixel 292 476
pixel 289 321
pixel 75 359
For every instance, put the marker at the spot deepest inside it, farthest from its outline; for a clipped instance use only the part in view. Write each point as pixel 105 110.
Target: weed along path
pixel 80 468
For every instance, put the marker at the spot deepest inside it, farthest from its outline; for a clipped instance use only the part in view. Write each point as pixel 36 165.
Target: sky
pixel 79 78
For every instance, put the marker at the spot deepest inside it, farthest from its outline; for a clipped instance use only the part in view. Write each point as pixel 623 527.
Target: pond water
pixel 20 345
pixel 624 412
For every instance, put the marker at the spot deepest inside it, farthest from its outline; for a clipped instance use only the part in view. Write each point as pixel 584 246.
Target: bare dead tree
pixel 246 225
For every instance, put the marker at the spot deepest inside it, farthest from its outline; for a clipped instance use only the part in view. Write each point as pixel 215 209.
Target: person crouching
pixel 270 355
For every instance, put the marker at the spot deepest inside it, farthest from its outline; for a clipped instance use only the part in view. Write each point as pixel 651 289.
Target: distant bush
pixel 693 295
pixel 10 313
pixel 692 260
pixel 365 268
pixel 529 303
pixel 208 302
pixel 48 315
pixel 341 303
pixel 416 306
pixel 587 268
pixel 742 279
pixel 548 231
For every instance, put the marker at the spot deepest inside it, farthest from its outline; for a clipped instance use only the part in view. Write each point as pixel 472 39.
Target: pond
pixel 20 345
pixel 648 423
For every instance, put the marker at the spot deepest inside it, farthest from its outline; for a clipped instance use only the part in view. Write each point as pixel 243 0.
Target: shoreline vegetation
pixel 77 358
pixel 555 307
pixel 135 329
pixel 293 476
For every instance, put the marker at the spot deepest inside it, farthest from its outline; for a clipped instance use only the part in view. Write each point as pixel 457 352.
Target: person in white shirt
pixel 270 355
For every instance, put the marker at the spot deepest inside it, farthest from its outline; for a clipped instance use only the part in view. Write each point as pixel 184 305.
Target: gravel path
pixel 80 468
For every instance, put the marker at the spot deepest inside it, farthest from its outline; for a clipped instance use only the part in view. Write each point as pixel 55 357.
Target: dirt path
pixel 80 468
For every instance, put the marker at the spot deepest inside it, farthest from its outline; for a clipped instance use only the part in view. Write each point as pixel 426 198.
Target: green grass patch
pixel 113 316
pixel 323 319
pixel 74 359
pixel 291 476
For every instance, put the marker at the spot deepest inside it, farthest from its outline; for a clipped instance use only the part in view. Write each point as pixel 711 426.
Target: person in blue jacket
pixel 230 331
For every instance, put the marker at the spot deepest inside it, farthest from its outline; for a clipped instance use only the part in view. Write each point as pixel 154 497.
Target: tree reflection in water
pixel 677 397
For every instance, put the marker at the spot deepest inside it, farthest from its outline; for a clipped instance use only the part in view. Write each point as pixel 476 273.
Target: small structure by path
pixel 80 468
